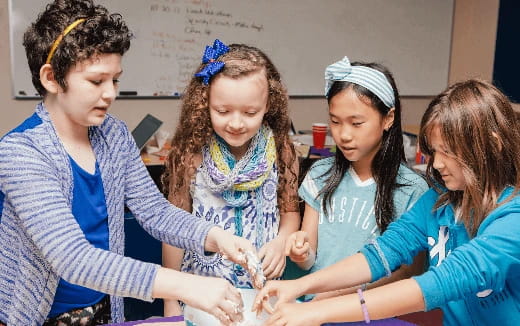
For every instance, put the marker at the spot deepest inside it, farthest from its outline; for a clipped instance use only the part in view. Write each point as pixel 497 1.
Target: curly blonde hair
pixel 195 129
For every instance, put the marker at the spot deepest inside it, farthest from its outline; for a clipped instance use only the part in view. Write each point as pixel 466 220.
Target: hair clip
pixel 211 54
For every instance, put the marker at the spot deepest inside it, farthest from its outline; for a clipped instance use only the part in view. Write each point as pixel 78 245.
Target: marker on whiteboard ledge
pixel 128 93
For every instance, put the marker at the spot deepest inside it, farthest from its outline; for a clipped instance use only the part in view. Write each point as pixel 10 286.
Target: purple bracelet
pixel 363 306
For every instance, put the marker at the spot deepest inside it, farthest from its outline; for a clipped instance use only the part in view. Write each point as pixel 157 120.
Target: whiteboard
pixel 411 37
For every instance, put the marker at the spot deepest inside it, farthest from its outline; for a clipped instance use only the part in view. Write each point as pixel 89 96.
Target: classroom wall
pixel 472 54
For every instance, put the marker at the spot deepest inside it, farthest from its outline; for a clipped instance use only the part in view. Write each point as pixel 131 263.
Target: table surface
pixel 179 321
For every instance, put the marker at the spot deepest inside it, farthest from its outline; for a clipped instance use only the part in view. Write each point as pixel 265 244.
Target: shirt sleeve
pixel 403 239
pixel 154 212
pixel 481 264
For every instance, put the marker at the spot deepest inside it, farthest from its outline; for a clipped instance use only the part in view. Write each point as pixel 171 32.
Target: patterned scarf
pixel 232 178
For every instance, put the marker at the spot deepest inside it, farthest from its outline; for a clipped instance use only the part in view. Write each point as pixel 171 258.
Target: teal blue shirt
pixel 474 280
pixel 351 222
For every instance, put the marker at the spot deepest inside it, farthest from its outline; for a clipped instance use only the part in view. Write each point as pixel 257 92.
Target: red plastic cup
pixel 319 134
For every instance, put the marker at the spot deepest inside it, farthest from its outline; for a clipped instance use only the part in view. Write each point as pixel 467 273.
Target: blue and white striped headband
pixel 373 80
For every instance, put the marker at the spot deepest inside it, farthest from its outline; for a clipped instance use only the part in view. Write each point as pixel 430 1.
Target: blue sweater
pixel 40 241
pixel 475 281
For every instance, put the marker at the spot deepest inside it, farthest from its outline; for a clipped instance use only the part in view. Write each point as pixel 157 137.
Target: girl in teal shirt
pixel 352 197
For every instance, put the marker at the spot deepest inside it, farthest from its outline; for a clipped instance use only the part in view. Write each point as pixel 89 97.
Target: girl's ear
pixel 389 119
pixel 47 79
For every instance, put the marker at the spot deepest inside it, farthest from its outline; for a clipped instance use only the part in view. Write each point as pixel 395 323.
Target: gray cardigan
pixel 40 241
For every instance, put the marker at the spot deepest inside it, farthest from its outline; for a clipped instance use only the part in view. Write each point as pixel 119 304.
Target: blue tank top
pixel 89 209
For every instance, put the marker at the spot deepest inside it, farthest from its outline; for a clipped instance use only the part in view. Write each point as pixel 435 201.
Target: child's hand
pixel 272 256
pixel 229 246
pixel 221 299
pixel 297 246
pixel 285 291
pixel 294 314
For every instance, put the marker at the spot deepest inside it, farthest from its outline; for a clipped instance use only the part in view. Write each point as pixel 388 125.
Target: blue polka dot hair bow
pixel 211 54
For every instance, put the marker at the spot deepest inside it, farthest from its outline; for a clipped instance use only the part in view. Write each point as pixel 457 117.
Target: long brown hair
pixel 194 129
pixel 478 125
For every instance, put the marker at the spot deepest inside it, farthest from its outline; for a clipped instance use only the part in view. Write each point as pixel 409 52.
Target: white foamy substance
pixel 196 317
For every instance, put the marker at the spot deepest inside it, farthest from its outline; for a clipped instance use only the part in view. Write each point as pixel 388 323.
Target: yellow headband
pixel 62 35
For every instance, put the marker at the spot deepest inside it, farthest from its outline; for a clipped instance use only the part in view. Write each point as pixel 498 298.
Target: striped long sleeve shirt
pixel 40 240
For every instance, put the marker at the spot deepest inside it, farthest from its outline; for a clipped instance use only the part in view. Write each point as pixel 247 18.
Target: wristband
pixel 363 306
